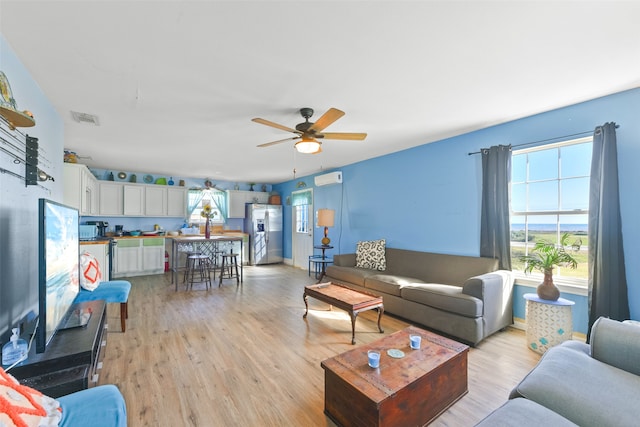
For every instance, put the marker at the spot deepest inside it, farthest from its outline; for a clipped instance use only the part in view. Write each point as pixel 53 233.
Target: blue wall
pixel 19 204
pixel 428 198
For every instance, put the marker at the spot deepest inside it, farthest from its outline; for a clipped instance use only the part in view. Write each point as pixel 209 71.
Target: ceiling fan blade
pixel 326 119
pixel 342 135
pixel 275 125
pixel 280 141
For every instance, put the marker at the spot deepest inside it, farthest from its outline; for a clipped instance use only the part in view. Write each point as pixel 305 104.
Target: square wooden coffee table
pixel 347 299
pixel 408 391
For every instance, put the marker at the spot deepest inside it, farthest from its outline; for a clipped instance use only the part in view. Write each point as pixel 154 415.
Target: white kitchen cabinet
pixel 138 256
pixel 155 200
pixel 111 198
pixel 133 196
pixel 176 201
pixel 80 189
pixel 127 259
pixel 127 199
pixel 236 199
pixel 153 255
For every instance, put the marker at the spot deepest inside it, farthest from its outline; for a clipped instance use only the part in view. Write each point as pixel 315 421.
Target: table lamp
pixel 325 219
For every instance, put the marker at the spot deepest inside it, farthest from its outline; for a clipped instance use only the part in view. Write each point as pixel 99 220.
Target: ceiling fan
pixel 309 132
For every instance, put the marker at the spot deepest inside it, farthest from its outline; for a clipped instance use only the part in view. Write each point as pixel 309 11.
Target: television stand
pixel 72 359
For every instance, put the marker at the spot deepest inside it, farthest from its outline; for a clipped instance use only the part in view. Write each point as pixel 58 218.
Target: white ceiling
pixel 175 84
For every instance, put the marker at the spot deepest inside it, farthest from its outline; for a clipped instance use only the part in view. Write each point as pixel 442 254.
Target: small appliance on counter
pixel 88 232
pixel 101 225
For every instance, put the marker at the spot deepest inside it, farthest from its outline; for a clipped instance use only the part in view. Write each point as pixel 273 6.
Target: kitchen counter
pixel 139 237
pixel 94 242
pixel 213 235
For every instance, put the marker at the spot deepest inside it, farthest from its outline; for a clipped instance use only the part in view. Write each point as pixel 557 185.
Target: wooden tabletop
pixel 339 295
pixel 393 374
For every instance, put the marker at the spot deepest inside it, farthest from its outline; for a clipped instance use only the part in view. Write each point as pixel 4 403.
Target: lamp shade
pixel 325 217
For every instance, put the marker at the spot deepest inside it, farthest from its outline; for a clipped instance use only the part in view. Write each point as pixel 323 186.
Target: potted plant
pixel 545 256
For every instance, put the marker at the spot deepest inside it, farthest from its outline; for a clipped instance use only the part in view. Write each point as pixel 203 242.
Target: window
pixel 301 201
pixel 302 219
pixel 197 218
pixel 550 197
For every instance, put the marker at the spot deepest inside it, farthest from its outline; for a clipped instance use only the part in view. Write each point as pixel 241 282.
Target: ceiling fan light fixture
pixel 307 146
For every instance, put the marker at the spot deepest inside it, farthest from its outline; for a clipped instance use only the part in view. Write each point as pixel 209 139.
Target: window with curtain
pixel 550 197
pixel 207 199
pixel 301 201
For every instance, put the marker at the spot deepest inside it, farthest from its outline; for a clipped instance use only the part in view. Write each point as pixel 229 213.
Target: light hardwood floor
pixel 244 356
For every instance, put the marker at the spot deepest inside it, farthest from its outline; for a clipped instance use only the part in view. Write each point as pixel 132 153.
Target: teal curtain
pixel 301 198
pixel 220 200
pixel 194 197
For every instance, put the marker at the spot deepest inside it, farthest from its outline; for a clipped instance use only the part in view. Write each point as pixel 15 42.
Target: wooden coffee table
pixel 408 391
pixel 349 300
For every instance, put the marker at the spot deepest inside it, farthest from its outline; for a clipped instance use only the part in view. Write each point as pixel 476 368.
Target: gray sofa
pixel 461 296
pixel 580 384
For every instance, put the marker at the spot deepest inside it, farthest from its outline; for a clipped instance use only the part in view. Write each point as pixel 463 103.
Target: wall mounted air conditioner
pixel 328 178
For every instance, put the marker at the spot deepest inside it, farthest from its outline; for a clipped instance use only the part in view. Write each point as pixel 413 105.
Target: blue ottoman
pixel 110 291
pixel 101 406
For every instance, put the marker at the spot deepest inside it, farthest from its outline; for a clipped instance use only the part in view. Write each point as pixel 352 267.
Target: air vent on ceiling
pixel 85 118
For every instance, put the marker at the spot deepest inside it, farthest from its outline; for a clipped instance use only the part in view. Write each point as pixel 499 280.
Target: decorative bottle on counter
pixel 207 231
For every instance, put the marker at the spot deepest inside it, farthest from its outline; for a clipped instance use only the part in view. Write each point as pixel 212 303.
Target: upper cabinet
pixel 133 200
pixel 154 200
pixel 176 201
pixel 111 198
pixel 236 199
pixel 108 198
pixel 80 189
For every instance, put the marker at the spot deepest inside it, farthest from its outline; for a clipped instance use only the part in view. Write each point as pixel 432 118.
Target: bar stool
pixel 198 264
pixel 229 268
pixel 186 265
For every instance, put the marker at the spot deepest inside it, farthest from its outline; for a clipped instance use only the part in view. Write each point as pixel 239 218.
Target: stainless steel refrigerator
pixel 263 223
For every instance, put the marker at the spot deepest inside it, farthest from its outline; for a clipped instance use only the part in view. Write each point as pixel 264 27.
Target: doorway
pixel 302 227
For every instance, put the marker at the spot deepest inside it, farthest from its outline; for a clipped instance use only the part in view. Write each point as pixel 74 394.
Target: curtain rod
pixel 545 140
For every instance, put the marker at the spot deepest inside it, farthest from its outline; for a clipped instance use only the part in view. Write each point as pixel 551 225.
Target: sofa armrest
pixel 616 344
pixel 495 289
pixel 345 260
pixel 493 285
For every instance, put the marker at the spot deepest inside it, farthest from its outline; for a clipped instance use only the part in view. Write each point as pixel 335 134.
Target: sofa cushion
pixel 522 412
pixel 349 274
pixel 388 284
pixel 101 406
pixel 582 389
pixel 443 297
pixel 437 268
pixel 371 254
pixel 616 343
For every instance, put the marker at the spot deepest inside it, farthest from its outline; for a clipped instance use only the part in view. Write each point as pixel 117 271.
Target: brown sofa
pixel 461 296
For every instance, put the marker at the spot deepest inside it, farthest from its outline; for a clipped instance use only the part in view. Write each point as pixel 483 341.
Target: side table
pixel 323 261
pixel 548 322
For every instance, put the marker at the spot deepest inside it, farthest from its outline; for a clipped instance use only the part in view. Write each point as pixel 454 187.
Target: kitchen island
pixel 212 247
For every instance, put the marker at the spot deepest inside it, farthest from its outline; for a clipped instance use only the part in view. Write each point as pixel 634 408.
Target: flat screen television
pixel 59 269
